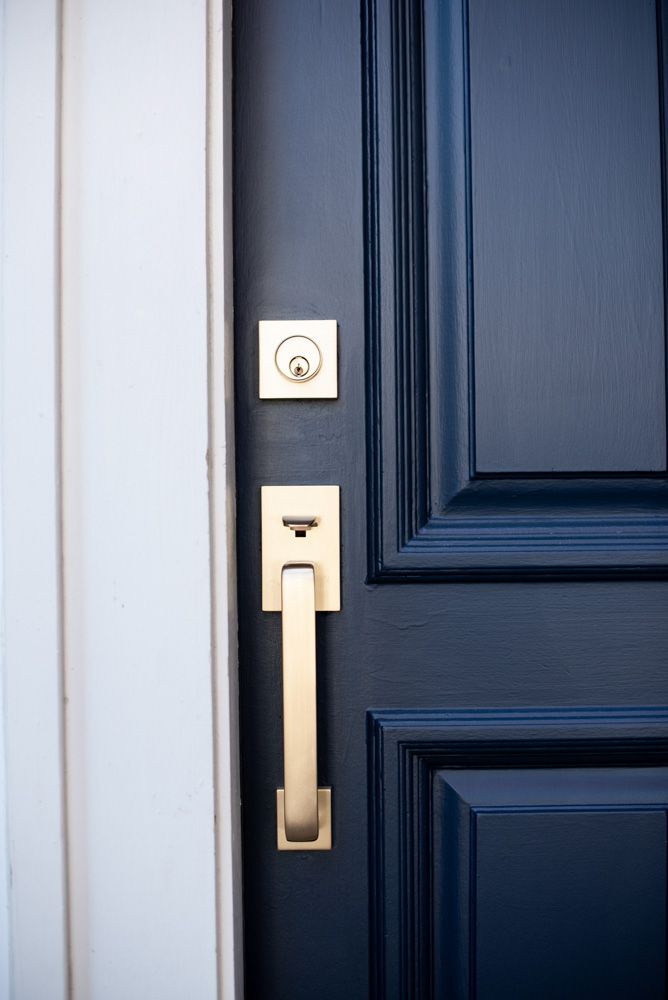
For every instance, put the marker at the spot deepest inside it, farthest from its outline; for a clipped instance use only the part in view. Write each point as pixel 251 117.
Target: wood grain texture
pixel 567 240
pixel 435 512
pixel 445 788
pixel 562 874
pixel 417 652
pixel 298 255
pixel 583 896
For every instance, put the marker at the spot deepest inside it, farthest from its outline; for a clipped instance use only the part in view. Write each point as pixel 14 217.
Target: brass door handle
pixel 300 802
pixel 300 576
pixel 300 736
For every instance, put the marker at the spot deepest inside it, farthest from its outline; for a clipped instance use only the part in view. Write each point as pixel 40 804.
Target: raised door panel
pixel 566 234
pixel 550 883
pixel 518 853
pixel 515 194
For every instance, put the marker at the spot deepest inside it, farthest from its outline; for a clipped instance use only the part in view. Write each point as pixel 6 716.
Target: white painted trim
pixel 30 505
pixel 222 498
pixel 147 561
pixel 143 344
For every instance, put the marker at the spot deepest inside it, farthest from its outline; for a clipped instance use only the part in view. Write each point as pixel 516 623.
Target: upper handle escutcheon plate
pixel 300 524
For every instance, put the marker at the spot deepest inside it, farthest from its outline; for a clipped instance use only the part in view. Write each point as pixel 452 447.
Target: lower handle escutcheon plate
pixel 324 839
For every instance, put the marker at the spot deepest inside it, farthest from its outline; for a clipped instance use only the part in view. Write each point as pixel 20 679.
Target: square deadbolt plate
pixel 319 545
pixel 298 359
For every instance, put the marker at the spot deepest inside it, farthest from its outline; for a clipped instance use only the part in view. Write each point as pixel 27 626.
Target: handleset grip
pixel 304 810
pixel 300 735
pixel 301 576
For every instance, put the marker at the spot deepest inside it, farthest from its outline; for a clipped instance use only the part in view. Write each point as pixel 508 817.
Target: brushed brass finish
pixel 300 738
pixel 301 575
pixel 283 343
pixel 324 841
pixel 319 546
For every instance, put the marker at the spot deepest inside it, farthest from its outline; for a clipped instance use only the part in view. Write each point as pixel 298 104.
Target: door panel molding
pixel 431 516
pixel 408 752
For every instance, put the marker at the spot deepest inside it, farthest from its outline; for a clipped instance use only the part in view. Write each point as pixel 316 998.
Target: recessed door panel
pixel 567 236
pixel 516 286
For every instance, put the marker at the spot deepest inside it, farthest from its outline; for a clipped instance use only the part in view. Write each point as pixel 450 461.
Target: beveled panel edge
pixel 406 540
pixel 406 746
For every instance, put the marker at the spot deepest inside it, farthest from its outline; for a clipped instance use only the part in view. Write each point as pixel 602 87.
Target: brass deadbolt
pixel 297 358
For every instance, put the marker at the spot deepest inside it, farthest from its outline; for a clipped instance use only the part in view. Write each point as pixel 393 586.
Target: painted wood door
pixel 476 192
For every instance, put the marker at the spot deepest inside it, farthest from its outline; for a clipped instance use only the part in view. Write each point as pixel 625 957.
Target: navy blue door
pixel 476 191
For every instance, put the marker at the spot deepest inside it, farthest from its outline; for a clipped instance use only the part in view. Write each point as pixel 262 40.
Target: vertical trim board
pixel 34 963
pixel 221 498
pixel 146 376
pixel 138 641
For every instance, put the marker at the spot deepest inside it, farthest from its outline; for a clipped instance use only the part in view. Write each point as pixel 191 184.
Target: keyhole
pixel 299 367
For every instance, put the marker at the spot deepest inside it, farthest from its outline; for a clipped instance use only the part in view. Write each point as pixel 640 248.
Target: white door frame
pixel 32 948
pixel 118 752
